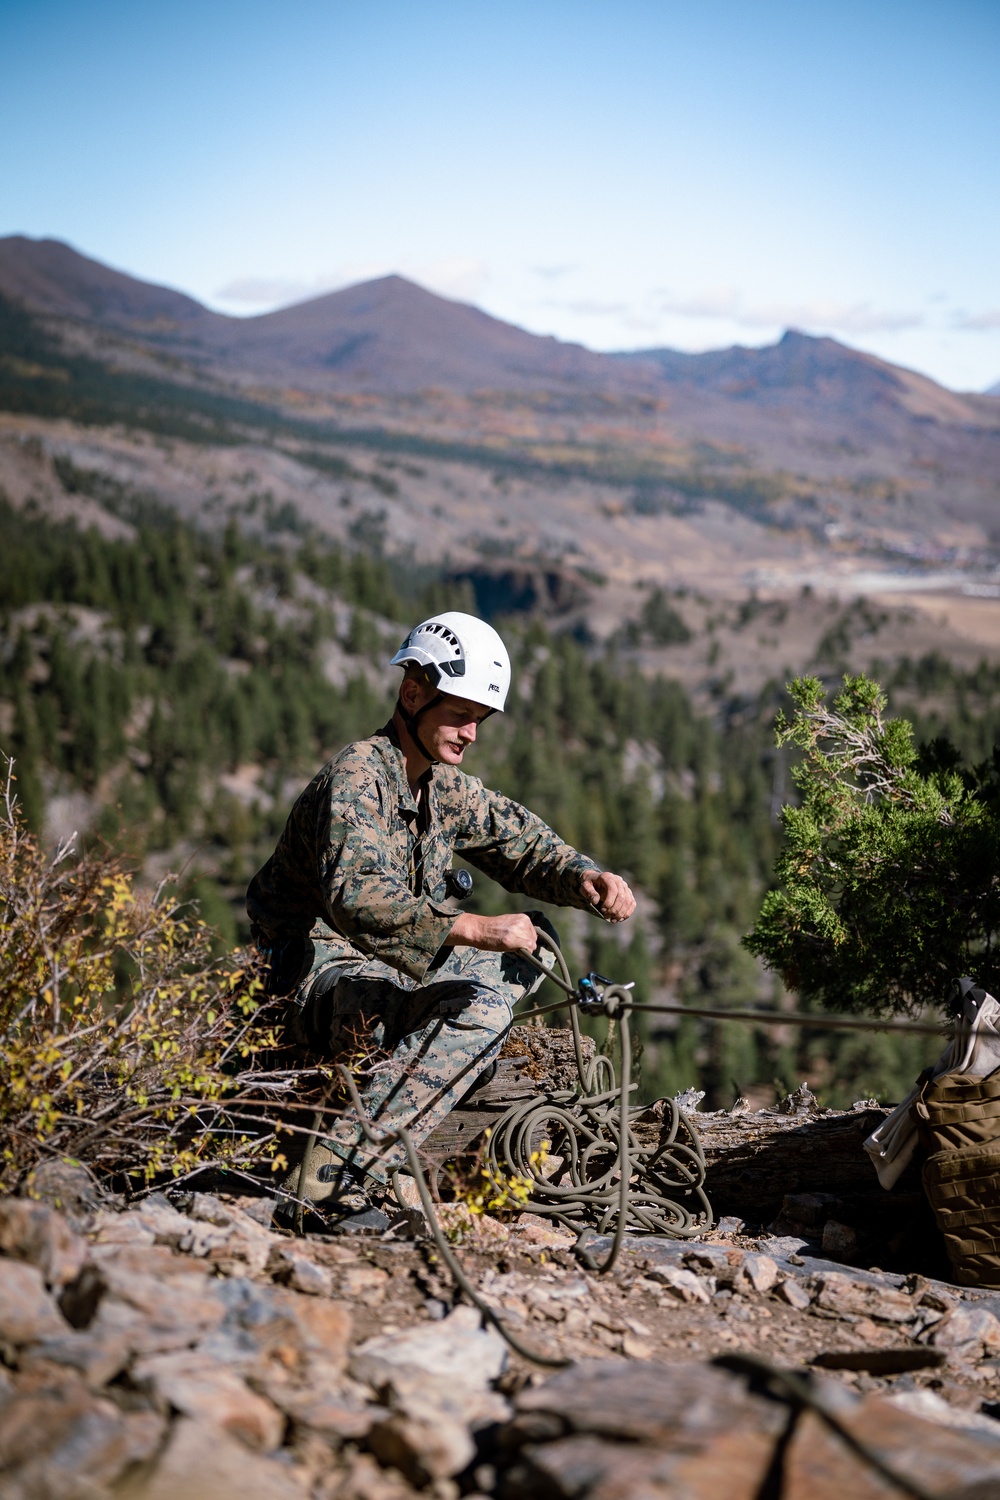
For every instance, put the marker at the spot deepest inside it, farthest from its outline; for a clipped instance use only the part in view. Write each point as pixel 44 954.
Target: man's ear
pixel 413 693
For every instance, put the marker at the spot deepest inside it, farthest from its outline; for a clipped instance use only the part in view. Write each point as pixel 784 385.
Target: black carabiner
pixel 589 997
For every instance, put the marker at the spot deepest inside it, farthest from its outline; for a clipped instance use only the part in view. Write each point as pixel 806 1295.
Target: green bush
pixel 889 885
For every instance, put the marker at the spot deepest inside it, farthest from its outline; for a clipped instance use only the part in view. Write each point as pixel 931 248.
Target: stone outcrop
pixel 184 1349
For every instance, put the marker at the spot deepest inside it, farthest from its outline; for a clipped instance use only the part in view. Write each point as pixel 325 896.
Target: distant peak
pixel 391 278
pixel 795 338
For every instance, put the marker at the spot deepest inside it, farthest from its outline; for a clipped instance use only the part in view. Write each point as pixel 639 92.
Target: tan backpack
pixel 958 1119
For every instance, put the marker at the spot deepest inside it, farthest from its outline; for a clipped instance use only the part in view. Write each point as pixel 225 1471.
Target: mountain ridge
pixel 391 336
pixel 795 437
pixel 52 279
pixel 386 335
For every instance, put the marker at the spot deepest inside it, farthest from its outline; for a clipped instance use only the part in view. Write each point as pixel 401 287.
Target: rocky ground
pixel 185 1347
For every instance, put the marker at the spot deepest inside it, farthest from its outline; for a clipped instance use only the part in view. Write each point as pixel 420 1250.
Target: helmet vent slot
pixel 444 633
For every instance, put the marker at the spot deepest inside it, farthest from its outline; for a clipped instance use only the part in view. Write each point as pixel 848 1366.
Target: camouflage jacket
pixel 361 865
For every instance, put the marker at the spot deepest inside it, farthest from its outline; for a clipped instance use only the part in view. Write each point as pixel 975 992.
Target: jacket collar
pixel 388 746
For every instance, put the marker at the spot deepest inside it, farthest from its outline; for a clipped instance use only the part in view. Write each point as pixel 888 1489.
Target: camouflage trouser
pixel 416 1048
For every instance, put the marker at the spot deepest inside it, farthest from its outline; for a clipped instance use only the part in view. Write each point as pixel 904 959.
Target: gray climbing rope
pixel 594 1172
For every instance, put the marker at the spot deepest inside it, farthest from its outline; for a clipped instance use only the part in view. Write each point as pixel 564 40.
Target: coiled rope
pixel 598 1172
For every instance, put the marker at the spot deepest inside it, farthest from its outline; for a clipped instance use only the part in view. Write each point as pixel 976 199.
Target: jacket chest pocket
pixel 397 852
pixel 436 862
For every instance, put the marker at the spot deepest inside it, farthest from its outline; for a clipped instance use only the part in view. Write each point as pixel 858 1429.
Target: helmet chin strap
pixel 412 721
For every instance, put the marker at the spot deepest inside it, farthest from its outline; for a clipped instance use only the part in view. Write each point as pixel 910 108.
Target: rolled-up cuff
pixel 572 875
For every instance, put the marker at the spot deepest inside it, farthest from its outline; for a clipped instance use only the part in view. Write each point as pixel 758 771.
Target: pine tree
pixel 889 886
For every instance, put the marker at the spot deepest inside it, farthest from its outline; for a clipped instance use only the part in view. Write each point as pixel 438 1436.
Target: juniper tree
pixel 889 884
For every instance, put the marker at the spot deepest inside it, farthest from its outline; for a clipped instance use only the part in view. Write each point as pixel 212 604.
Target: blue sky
pixel 622 173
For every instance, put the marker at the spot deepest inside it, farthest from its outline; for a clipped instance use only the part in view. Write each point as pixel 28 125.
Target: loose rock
pixel 843 1294
pixel 296 1270
pixel 59 1439
pixel 839 1241
pixel 648 1402
pixel 36 1233
pixel 731 1464
pixel 424 1448
pixel 967 1329
pixel 794 1293
pixel 27 1311
pixel 202 1463
pixel 820 1466
pixel 686 1286
pixel 761 1272
pixel 201 1387
pixel 97 1356
pixel 66 1186
pixel 457 1348
pixel 158 1313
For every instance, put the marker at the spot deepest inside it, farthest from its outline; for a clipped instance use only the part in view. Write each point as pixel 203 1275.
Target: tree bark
pixel 805 1174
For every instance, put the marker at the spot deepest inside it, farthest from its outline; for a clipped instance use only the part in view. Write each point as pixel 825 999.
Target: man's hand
pixel 503 934
pixel 609 894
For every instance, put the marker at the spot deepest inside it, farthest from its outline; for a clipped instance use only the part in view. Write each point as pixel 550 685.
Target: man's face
pixel 449 728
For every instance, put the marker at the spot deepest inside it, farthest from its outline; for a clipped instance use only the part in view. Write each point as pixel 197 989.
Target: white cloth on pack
pixel 974 1051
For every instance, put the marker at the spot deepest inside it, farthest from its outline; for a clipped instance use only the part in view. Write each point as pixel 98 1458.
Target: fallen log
pixel 754 1158
pixel 810 1176
pixel 797 1173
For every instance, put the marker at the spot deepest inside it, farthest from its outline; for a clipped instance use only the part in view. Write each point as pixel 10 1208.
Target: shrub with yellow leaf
pixel 124 1043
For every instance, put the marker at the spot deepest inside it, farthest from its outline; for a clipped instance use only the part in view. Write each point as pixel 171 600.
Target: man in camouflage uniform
pixel 353 907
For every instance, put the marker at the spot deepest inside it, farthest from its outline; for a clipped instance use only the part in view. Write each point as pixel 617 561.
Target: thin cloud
pixel 728 304
pixel 724 303
pixel 861 318
pixel 258 290
pixel 552 273
pixel 641 322
pixel 594 309
pixel 979 322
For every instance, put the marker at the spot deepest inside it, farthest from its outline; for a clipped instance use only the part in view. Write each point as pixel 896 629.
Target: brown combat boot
pixel 324 1186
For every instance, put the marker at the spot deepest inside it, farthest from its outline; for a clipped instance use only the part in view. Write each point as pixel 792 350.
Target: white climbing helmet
pixel 463 656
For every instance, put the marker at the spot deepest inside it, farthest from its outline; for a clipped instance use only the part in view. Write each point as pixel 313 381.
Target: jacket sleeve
pixel 366 893
pixel 515 848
